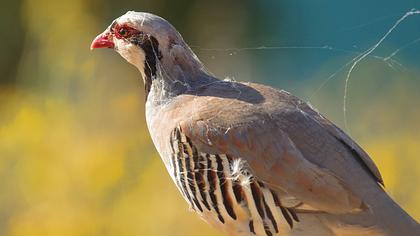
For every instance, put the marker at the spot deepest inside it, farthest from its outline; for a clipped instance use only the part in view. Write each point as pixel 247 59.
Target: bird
pixel 250 159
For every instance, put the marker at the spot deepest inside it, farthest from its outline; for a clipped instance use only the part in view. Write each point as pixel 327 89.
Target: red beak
pixel 102 41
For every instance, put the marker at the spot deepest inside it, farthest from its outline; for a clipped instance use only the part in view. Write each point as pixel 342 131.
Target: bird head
pixel 140 38
pixel 152 44
pixel 155 47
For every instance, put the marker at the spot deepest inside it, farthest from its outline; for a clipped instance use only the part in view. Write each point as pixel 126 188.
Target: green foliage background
pixel 75 154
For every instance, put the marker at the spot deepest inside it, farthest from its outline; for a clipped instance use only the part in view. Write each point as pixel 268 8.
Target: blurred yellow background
pixel 75 153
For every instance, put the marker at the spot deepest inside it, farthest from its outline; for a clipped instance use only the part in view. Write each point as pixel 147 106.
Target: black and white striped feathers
pixel 224 192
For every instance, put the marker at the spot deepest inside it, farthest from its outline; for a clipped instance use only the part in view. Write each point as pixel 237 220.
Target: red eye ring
pixel 123 31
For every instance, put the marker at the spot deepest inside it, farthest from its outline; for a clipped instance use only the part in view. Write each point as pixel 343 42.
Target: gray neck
pixel 171 70
pixel 170 82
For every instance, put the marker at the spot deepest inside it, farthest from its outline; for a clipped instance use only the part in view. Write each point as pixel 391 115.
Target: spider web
pixel 350 66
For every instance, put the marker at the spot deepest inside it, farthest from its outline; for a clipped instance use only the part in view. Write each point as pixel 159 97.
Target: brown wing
pixel 286 143
pixel 274 158
pixel 357 152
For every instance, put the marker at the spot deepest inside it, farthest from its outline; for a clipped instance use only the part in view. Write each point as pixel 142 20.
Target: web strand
pixel 365 54
pixel 352 64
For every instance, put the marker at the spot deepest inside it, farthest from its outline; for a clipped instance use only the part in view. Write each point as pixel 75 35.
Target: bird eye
pixel 123 32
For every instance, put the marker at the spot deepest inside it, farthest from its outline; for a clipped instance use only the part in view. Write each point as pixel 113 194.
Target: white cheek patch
pixel 130 52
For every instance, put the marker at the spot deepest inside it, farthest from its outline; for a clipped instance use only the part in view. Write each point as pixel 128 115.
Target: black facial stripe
pixel 150 46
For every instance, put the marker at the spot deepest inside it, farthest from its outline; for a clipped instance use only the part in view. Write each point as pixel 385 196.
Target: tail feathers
pixel 384 217
pixel 391 218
